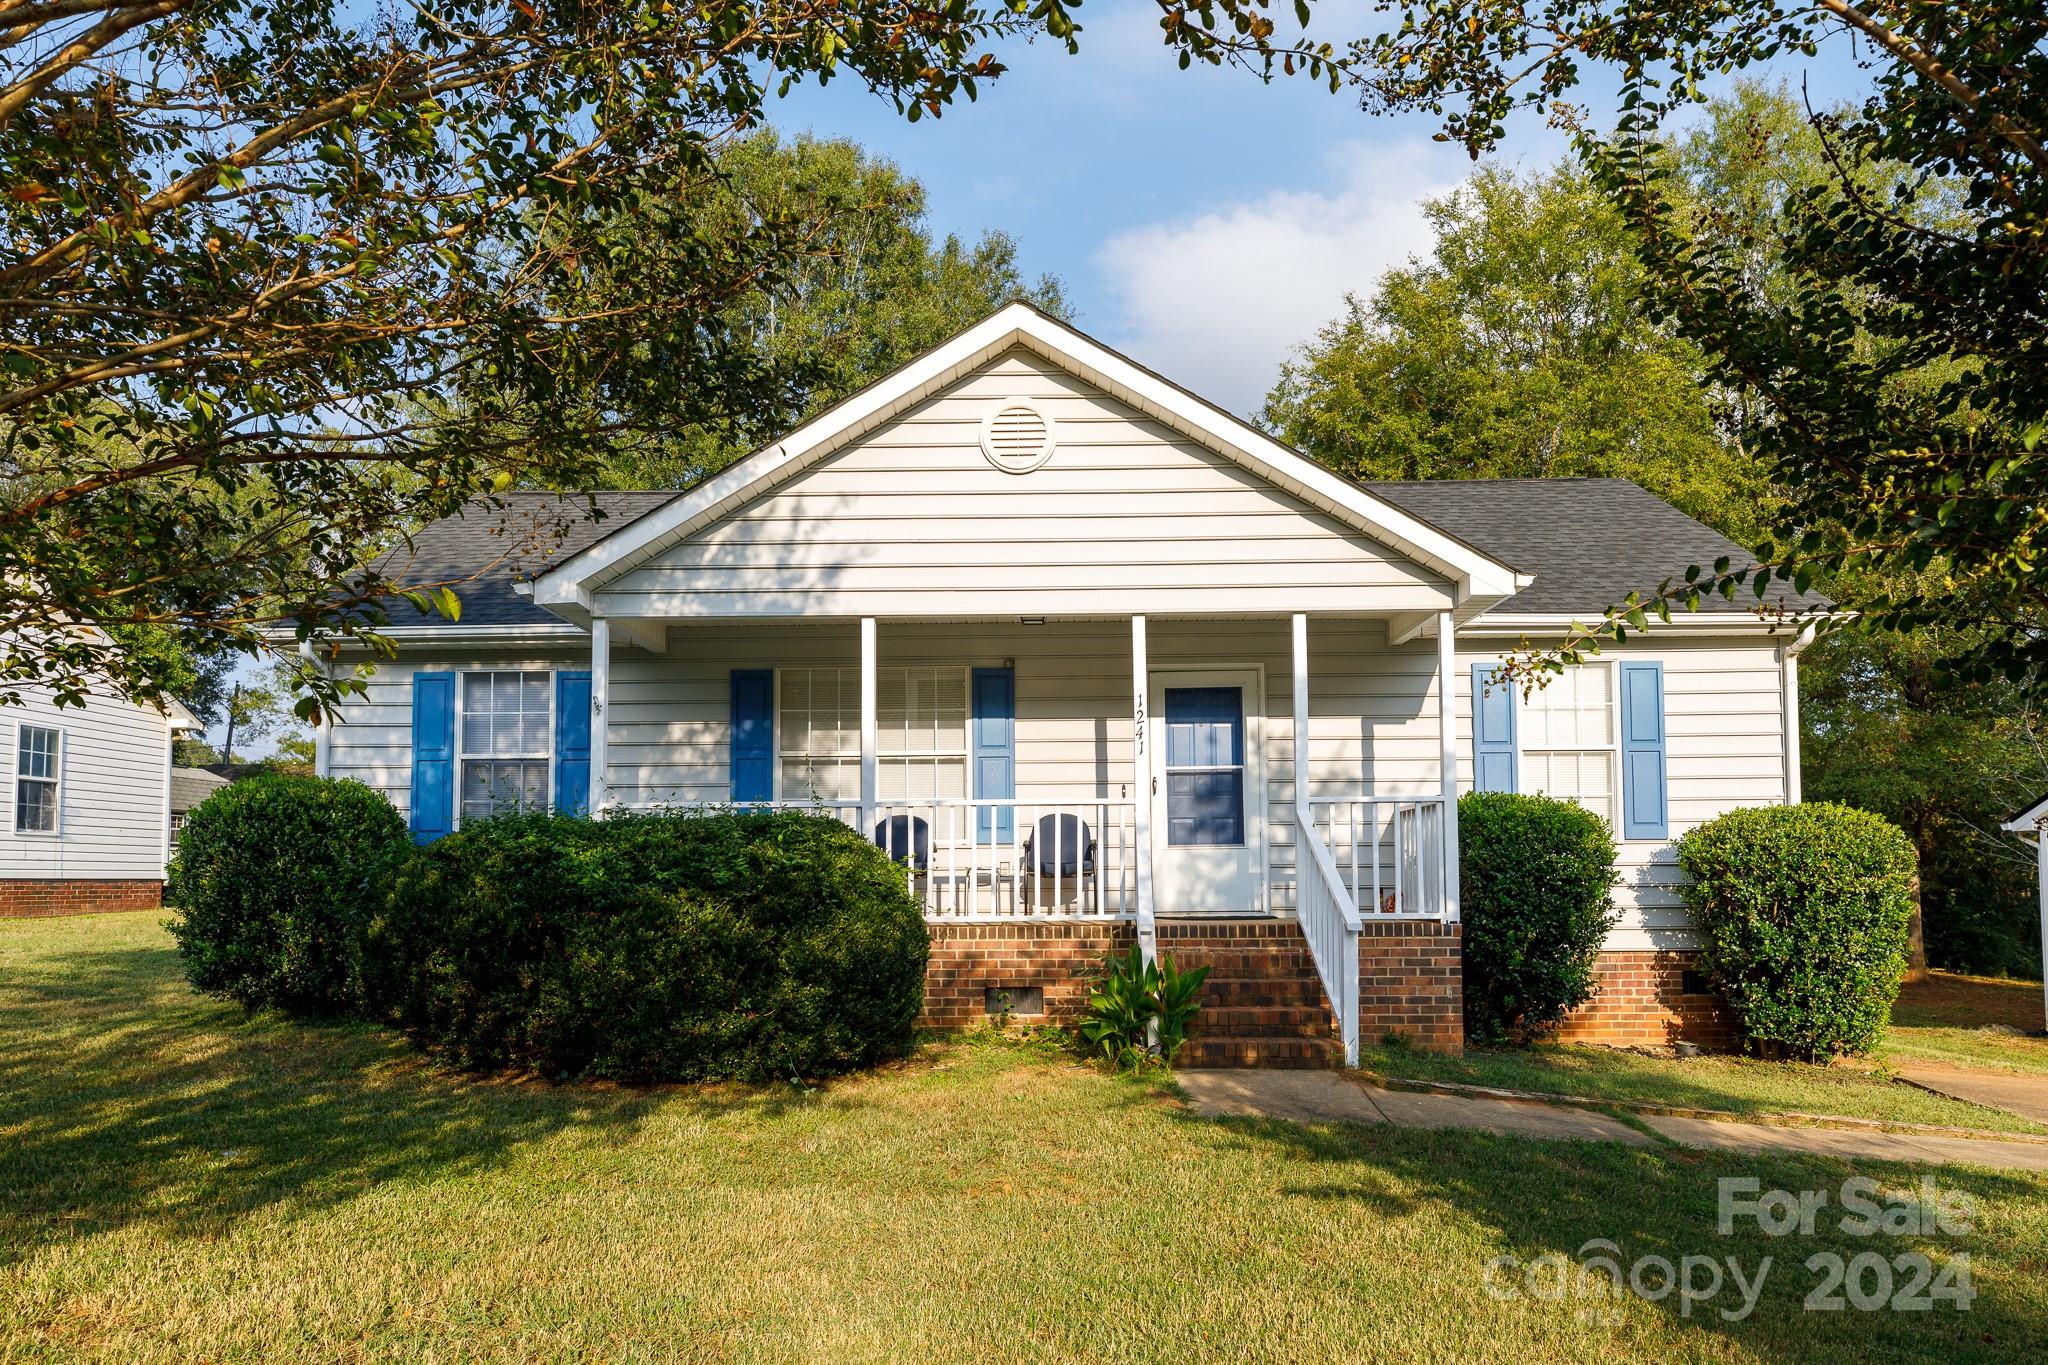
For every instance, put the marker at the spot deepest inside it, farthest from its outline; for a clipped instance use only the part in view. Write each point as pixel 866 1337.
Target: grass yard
pixel 179 1182
pixel 1944 1018
pixel 1737 1085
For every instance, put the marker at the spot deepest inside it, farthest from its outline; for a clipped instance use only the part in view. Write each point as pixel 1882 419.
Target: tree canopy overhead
pixel 1517 348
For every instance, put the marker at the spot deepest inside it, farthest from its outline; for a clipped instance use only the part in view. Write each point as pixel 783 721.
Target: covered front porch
pixel 1073 770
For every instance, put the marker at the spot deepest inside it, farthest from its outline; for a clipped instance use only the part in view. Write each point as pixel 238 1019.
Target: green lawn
pixel 178 1183
pixel 1966 1021
pixel 1736 1085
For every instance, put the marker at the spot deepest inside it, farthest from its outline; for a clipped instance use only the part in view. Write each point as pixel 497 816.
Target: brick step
pixel 1245 1021
pixel 1299 1054
pixel 1225 992
pixel 1263 965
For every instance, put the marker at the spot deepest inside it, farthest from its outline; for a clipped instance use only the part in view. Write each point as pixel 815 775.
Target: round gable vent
pixel 1017 438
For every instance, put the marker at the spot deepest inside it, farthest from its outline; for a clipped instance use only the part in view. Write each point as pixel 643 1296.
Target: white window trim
pixel 56 830
pixel 1612 748
pixel 462 754
pixel 965 753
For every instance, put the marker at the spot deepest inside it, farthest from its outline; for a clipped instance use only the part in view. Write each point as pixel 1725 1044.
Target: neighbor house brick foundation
pixel 39 897
pixel 1411 984
pixel 1644 999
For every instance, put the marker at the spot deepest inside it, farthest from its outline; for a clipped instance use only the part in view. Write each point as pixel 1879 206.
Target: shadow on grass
pixel 125 1098
pixel 1557 1204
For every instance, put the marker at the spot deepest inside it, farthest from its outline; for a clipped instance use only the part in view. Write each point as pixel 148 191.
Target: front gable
pixel 1020 469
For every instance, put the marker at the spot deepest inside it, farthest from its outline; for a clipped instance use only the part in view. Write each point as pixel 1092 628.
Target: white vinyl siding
pixel 1724 747
pixel 111 762
pixel 913 520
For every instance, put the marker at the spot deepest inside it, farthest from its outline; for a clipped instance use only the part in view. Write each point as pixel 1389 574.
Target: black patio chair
pixel 1061 846
pixel 907 839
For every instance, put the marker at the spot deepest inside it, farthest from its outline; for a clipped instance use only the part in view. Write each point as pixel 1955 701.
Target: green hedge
pixel 272 881
pixel 744 945
pixel 1534 877
pixel 1804 913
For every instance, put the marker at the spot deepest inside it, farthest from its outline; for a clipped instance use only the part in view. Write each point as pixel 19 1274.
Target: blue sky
pixel 1201 221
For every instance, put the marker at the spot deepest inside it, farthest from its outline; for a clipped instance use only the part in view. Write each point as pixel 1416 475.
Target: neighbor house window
pixel 1568 739
pixel 507 734
pixel 36 777
pixel 920 741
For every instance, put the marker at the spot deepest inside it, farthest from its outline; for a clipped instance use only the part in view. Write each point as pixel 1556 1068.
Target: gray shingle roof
pixel 190 786
pixel 494 548
pixel 1589 543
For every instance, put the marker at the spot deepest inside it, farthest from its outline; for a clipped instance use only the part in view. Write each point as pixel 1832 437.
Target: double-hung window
pixel 1567 734
pixel 37 755
pixel 506 742
pixel 921 744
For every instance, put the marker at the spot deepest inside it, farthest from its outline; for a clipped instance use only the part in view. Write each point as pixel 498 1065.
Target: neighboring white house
pixel 88 804
pixel 2034 821
pixel 1023 594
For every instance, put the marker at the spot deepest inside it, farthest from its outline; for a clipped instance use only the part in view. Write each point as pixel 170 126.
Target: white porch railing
pixel 966 860
pixel 1330 922
pixel 1388 853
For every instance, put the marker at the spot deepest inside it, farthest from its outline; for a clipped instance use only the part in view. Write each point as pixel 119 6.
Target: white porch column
pixel 1447 754
pixel 1301 716
pixel 1141 750
pixel 600 714
pixel 870 770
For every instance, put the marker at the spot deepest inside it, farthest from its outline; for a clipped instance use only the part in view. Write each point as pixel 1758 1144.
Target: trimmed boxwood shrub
pixel 1804 912
pixel 1534 877
pixel 744 945
pixel 272 881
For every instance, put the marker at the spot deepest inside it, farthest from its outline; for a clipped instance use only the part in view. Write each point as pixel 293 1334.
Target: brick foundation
pixel 1641 1001
pixel 969 960
pixel 44 897
pixel 1411 985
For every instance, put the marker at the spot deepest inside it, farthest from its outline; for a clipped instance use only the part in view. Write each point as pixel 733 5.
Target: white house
pixel 88 804
pixel 1097 659
pixel 2034 821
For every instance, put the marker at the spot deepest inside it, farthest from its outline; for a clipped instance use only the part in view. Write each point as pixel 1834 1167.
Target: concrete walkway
pixel 2016 1093
pixel 1326 1097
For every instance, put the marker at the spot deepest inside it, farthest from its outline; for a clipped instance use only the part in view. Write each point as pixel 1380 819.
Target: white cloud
pixel 1217 301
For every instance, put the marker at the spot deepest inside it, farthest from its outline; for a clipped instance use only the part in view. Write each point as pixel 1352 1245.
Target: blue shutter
pixel 433 756
pixel 572 741
pixel 753 734
pixel 995 750
pixel 1643 805
pixel 1493 732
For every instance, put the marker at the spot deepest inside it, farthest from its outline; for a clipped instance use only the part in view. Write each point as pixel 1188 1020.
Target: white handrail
pixel 972 868
pixel 1389 853
pixel 1330 922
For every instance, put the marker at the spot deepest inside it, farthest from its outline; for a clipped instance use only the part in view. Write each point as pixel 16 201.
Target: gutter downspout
pixel 1788 674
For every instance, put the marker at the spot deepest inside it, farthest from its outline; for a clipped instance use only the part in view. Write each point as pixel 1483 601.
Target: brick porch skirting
pixel 1642 1000
pixel 1411 984
pixel 42 897
pixel 970 960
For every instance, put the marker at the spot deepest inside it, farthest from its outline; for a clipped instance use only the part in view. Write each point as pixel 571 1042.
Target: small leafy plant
pixel 1140 1006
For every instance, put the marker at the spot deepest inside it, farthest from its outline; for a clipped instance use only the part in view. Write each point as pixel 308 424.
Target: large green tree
pixel 279 277
pixel 873 290
pixel 1901 377
pixel 1517 348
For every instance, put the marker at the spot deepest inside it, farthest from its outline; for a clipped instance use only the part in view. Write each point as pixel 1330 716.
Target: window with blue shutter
pixel 433 755
pixel 1643 802
pixel 994 703
pixel 572 741
pixel 753 734
pixel 1493 731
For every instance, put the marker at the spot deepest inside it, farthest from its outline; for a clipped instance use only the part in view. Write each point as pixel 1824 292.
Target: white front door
pixel 1209 792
